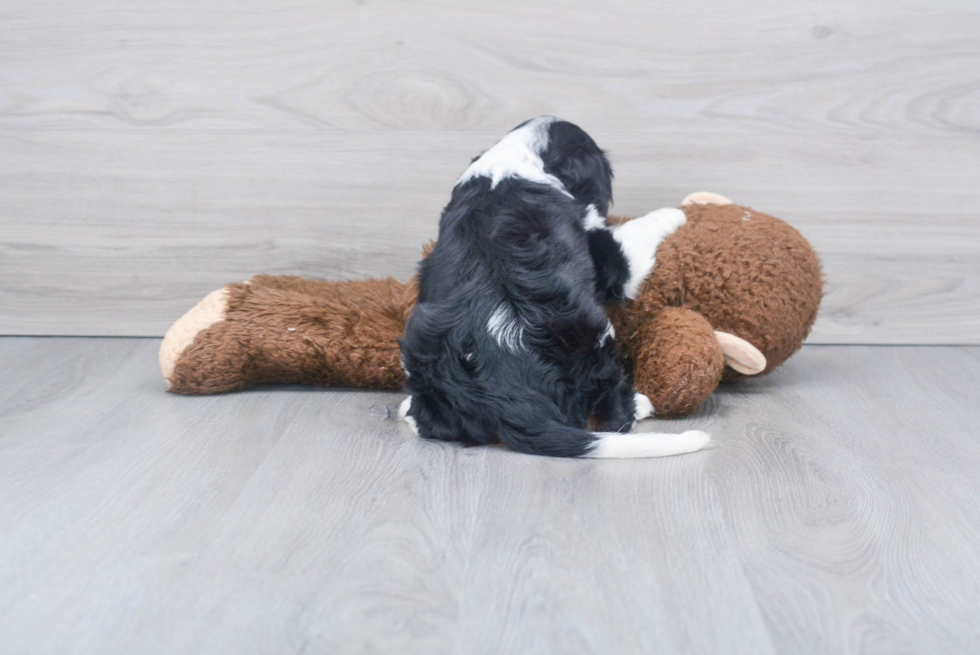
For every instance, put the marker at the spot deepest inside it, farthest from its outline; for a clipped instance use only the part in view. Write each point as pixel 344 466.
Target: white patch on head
pixel 401 362
pixel 403 414
pixel 639 240
pixel 644 408
pixel 592 220
pixel 619 446
pixel 518 154
pixel 610 332
pixel 506 329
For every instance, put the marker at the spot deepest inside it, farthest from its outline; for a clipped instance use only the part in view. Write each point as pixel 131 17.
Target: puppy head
pixel 550 151
pixel 574 158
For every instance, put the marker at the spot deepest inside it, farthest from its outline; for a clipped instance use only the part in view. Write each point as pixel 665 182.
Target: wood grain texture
pixel 836 512
pixel 152 152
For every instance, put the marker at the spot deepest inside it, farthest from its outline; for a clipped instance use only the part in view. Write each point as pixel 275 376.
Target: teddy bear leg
pixel 678 361
pixel 182 333
pixel 288 330
pixel 209 350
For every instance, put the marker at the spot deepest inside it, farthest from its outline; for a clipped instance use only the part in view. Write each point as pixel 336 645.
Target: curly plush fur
pixel 290 330
pixel 729 268
pixel 734 270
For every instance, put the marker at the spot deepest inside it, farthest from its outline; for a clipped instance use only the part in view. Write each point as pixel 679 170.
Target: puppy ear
pixel 575 159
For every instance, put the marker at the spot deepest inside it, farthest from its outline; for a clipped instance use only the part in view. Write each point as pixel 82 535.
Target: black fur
pixel 575 159
pixel 612 269
pixel 520 249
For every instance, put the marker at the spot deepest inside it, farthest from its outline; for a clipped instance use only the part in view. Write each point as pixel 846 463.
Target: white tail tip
pixel 613 445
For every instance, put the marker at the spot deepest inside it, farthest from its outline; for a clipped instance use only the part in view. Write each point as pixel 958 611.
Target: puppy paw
pixel 650 230
pixel 644 408
pixel 639 240
pixel 403 414
pixel 666 220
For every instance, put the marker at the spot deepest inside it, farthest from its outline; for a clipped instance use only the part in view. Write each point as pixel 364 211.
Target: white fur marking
pixel 644 408
pixel 592 220
pixel 506 329
pixel 518 154
pixel 639 240
pixel 610 332
pixel 403 414
pixel 613 445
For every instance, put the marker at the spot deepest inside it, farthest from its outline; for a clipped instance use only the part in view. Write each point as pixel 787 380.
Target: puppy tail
pixel 557 440
pixel 646 444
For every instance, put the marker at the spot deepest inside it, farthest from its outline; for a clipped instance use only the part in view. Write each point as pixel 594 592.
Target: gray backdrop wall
pixel 149 154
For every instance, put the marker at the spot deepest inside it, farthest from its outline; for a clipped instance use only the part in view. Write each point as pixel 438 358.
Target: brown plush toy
pixel 731 286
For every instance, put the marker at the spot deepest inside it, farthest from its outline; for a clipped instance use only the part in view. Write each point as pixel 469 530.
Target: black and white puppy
pixel 509 340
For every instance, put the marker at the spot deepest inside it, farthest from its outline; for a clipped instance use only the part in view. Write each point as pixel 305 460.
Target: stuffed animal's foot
pixel 639 240
pixel 286 329
pixel 644 408
pixel 705 198
pixel 740 354
pixel 181 334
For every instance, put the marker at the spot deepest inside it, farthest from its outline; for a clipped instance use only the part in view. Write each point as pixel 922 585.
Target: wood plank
pixel 836 512
pixel 151 152
pixel 860 68
pixel 110 233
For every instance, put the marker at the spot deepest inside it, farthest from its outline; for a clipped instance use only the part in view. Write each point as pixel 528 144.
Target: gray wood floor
pixel 153 151
pixel 838 511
